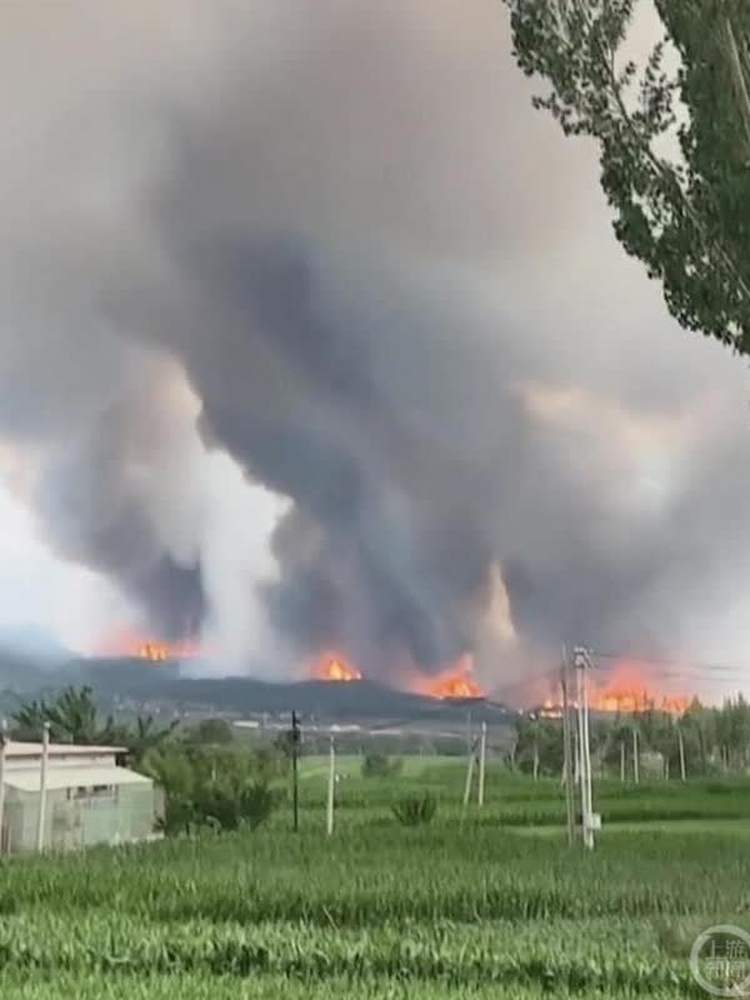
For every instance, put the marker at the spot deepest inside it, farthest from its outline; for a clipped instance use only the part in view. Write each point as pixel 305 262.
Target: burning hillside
pixel 454 682
pixel 131 645
pixel 336 669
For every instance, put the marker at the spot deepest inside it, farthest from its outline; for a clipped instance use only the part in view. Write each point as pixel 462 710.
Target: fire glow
pixel 335 669
pixel 130 645
pixel 455 682
pixel 629 687
pixel 634 687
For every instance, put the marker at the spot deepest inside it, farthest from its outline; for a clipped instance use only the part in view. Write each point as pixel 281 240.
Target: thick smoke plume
pixel 333 242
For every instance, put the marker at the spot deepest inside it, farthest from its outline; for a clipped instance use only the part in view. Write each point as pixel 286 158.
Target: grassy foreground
pixel 478 907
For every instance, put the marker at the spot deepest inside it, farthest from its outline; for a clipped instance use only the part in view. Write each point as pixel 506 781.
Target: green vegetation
pixel 415 810
pixel 714 741
pixel 673 145
pixel 216 786
pixel 480 907
pixel 378 765
pixel 72 718
pixel 413 896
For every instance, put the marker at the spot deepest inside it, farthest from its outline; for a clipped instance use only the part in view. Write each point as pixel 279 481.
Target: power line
pixel 671 662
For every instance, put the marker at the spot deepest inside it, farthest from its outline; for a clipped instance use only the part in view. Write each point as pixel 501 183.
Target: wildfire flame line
pixel 454 682
pixel 336 669
pixel 131 645
pixel 628 688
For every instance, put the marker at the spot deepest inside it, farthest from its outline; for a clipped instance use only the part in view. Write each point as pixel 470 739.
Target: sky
pixel 313 331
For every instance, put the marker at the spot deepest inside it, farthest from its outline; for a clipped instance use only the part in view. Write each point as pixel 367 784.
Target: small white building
pixel 90 799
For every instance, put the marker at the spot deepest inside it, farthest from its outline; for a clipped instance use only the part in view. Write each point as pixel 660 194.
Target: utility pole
pixel 41 815
pixel 681 744
pixel 567 752
pixel 636 759
pixel 622 761
pixel 482 764
pixel 582 664
pixel 295 775
pixel 469 775
pixel 3 750
pixel 331 786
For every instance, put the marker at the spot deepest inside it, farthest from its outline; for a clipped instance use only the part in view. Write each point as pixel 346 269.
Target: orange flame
pixel 456 681
pixel 334 667
pixel 631 687
pixel 131 645
pixel 622 700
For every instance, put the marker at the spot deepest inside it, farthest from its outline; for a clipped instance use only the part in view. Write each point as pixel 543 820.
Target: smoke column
pixel 315 278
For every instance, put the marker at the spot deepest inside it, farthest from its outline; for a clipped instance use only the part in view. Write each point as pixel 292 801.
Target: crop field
pixel 490 904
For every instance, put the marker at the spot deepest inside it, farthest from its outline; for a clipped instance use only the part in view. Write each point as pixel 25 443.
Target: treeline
pixel 703 741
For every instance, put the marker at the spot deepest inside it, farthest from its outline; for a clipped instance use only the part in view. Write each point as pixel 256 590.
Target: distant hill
pixel 33 644
pixel 118 680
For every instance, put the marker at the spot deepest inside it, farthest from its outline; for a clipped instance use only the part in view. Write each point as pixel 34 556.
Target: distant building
pixel 90 799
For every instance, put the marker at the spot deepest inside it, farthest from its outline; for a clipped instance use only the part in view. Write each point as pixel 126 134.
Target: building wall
pixel 70 822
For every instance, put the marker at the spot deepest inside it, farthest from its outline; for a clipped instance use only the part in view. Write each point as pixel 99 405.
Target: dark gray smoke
pixel 394 295
pixel 97 497
pixel 372 426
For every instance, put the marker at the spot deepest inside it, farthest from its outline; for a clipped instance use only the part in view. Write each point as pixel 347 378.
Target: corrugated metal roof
pixel 16 748
pixel 74 777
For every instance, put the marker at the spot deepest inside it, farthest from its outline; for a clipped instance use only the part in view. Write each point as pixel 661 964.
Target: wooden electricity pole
pixel 681 744
pixel 622 760
pixel 636 759
pixel 469 775
pixel 482 764
pixel 331 787
pixel 582 664
pixel 295 774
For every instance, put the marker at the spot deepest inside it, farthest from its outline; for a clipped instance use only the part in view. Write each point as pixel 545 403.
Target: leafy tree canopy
pixel 674 147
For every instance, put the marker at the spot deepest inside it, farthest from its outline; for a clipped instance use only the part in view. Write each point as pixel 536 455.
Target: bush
pixel 257 802
pixel 377 765
pixel 211 786
pixel 415 810
pixel 215 732
pixel 227 808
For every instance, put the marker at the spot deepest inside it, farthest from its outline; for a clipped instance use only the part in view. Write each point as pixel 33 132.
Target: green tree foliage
pixel 73 718
pixel 172 770
pixel 212 731
pixel 147 736
pixel 378 765
pixel 210 786
pixel 674 148
pixel 539 747
pixel 714 740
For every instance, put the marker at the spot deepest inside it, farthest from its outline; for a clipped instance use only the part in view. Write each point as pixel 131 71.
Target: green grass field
pixel 490 905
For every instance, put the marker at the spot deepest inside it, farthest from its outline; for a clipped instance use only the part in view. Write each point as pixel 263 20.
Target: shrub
pixel 257 802
pixel 215 732
pixel 415 810
pixel 377 765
